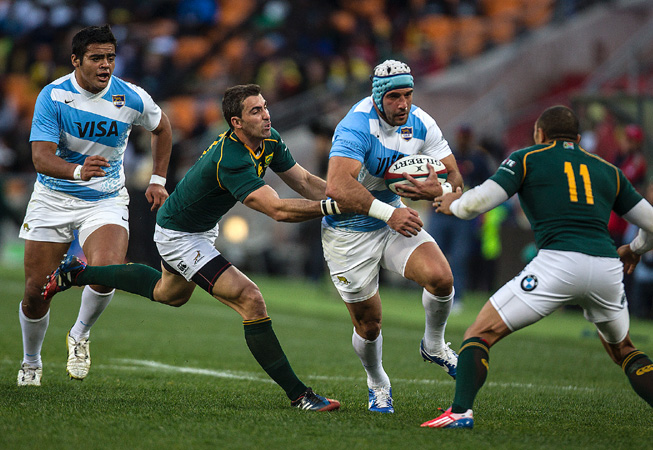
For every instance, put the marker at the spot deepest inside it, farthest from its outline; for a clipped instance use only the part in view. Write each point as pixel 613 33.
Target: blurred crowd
pixel 186 52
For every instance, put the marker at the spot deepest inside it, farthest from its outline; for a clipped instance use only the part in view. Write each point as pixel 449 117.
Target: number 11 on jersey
pixel 571 179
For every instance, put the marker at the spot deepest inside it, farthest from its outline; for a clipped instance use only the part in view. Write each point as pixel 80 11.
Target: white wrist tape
pixel 446 187
pixel 380 210
pixel 156 179
pixel 329 207
pixel 77 174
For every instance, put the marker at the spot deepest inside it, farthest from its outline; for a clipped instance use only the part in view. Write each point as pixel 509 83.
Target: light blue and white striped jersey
pixel 362 135
pixel 84 124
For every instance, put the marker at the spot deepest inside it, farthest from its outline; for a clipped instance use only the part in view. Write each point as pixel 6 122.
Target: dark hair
pixel 232 102
pixel 92 35
pixel 559 122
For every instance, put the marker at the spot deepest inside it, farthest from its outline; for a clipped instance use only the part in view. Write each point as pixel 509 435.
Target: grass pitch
pixel 169 378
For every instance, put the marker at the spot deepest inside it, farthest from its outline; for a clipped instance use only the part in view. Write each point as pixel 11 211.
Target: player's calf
pixel 638 367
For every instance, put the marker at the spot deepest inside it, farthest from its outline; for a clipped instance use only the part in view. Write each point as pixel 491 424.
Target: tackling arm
pixel 266 200
pixel 642 216
pixel 476 201
pixel 304 183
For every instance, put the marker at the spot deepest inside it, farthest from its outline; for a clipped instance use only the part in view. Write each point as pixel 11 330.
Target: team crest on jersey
pixel 529 282
pixel 118 100
pixel 406 133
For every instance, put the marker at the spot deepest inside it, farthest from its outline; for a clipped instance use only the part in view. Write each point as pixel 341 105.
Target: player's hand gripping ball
pixel 415 166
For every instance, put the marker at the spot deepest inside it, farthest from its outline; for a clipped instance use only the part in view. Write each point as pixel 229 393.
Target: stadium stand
pixel 474 59
pixel 185 51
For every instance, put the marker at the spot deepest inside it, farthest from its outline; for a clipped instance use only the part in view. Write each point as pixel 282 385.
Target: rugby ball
pixel 415 166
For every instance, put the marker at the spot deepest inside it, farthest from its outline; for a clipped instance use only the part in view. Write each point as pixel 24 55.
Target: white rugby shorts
pixel 556 278
pixel 53 216
pixel 186 252
pixel 355 258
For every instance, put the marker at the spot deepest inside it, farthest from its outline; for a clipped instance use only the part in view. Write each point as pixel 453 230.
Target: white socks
pixel 437 311
pixel 370 354
pixel 33 335
pixel 93 304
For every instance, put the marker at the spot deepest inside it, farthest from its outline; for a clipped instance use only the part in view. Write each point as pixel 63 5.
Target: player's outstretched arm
pixel 266 200
pixel 46 162
pixel 641 215
pixel 304 183
pixel 476 201
pixel 161 143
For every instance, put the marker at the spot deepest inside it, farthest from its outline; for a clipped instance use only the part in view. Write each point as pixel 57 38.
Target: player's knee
pixel 440 283
pixel 369 330
pixel 33 295
pixel 251 300
pixel 176 302
pixel 33 304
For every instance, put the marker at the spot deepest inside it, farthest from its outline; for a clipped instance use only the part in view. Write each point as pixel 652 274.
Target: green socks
pixel 135 278
pixel 639 369
pixel 471 372
pixel 265 347
pixel 473 365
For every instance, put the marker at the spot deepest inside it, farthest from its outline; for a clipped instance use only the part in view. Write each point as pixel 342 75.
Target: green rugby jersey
pixel 567 195
pixel 227 172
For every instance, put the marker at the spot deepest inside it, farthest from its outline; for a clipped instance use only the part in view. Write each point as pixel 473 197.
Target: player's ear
pixel 578 139
pixel 75 61
pixel 235 122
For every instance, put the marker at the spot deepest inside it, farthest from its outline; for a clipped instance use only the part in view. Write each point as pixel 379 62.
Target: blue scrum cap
pixel 389 75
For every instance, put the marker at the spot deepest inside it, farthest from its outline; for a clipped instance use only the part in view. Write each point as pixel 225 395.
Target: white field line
pixel 139 364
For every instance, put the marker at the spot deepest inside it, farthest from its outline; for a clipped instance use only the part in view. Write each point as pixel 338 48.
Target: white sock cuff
pixel 100 294
pixel 427 296
pixel 365 341
pixel 22 315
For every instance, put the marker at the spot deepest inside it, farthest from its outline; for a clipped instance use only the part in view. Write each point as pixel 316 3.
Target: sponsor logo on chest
pixel 97 129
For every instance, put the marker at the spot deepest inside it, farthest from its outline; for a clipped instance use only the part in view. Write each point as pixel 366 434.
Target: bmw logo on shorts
pixel 529 282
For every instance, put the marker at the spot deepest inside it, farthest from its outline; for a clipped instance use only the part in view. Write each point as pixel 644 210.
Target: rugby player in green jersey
pixel 567 195
pixel 229 171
